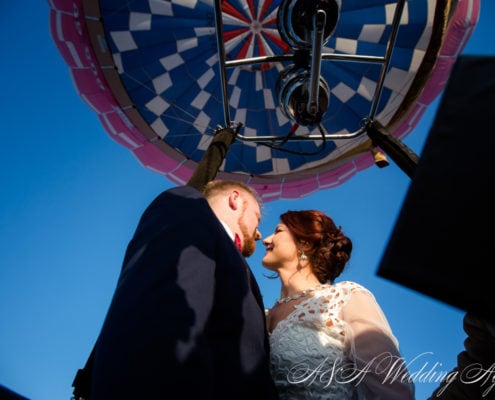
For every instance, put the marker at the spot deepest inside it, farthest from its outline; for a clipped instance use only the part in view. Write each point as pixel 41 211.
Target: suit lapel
pixel 255 288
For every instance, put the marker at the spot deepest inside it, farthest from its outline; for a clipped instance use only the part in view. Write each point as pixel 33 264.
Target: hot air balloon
pixel 302 93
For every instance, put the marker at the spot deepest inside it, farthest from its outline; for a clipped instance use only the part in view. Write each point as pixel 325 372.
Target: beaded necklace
pixel 303 293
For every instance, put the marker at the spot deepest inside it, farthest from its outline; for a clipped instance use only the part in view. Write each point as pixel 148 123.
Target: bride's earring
pixel 302 256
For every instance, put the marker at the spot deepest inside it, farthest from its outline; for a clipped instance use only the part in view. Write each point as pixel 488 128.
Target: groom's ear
pixel 234 199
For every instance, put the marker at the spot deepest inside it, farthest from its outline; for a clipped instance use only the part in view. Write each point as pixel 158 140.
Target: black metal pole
pixel 402 155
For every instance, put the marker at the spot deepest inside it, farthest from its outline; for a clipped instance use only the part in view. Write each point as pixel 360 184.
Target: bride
pixel 327 340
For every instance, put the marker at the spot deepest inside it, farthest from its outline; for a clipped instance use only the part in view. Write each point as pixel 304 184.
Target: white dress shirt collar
pixel 228 230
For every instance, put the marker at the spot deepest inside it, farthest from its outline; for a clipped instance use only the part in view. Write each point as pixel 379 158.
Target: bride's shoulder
pixel 349 287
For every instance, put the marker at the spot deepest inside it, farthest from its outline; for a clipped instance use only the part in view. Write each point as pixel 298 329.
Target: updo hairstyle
pixel 325 245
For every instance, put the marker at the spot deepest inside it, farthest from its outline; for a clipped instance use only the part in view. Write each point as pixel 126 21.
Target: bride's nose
pixel 266 241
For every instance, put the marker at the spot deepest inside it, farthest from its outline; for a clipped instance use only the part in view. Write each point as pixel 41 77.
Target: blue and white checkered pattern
pixel 166 54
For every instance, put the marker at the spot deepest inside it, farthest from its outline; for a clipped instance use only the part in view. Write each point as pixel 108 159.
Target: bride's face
pixel 281 249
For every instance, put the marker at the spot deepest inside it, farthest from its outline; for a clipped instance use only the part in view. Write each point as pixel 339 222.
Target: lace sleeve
pixel 371 344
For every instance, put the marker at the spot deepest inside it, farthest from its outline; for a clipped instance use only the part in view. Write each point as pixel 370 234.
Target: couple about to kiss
pixel 187 318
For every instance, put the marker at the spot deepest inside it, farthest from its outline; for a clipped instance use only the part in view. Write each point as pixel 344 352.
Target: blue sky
pixel 71 198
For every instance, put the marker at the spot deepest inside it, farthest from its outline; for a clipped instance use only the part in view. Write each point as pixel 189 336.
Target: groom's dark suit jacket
pixel 187 319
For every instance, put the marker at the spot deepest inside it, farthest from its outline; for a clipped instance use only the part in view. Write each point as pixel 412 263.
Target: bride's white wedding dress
pixel 338 345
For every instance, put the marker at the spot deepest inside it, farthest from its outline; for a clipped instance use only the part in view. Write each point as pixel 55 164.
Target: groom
pixel 187 318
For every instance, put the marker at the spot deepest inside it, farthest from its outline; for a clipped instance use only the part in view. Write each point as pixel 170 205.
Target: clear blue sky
pixel 71 198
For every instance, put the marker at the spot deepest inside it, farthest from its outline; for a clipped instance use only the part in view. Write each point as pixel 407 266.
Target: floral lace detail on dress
pixel 307 355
